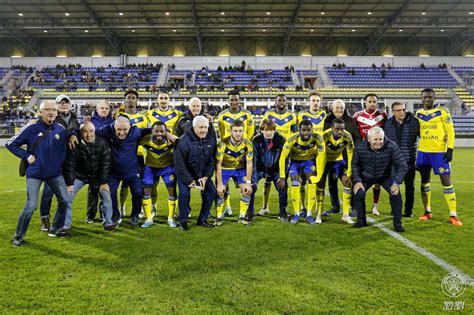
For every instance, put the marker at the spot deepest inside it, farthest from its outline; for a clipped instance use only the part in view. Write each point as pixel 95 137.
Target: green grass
pixel 269 267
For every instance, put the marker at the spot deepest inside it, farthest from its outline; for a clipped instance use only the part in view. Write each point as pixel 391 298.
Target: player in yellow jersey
pixel 170 117
pixel 307 157
pixel 129 109
pixel 224 122
pixel 435 151
pixel 313 113
pixel 338 141
pixel 158 163
pixel 234 160
pixel 285 124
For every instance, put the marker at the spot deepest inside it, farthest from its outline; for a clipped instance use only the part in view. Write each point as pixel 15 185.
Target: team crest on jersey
pixel 242 151
pixel 170 116
pixel 57 136
pixel 313 168
pixel 286 119
pixel 442 170
pixel 171 178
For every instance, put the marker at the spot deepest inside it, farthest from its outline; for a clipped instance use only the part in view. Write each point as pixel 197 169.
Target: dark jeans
pixel 208 195
pixel 92 200
pixel 46 199
pixel 135 185
pixel 395 200
pixel 282 194
pixel 409 181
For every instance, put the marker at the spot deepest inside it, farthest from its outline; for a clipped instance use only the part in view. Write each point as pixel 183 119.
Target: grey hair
pixel 122 119
pixel 194 99
pixel 48 102
pixel 375 131
pixel 103 102
pixel 339 101
pixel 85 124
pixel 200 120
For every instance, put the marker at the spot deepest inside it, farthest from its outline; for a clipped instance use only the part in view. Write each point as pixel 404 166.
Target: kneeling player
pixel 158 163
pixel 336 140
pixel 234 160
pixel 303 148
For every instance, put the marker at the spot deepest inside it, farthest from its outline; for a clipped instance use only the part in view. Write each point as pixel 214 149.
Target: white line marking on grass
pixel 12 190
pixel 420 250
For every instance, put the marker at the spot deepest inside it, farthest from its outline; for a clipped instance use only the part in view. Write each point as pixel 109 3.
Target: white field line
pixel 420 250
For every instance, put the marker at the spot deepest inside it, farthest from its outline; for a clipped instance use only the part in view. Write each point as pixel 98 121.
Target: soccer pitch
pixel 268 267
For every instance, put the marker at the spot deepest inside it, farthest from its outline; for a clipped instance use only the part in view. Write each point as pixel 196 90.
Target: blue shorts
pixel 338 167
pixel 151 174
pixel 238 175
pixel 298 167
pixel 433 160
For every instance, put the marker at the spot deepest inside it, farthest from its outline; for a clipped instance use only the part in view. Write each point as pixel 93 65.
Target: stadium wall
pixel 256 62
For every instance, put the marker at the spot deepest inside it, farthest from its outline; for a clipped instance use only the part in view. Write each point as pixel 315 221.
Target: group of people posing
pixel 300 151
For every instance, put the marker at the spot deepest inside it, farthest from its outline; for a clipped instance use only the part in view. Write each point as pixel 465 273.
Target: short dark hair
pixel 370 94
pixel 280 95
pixel 130 92
pixel 337 121
pixel 305 122
pixel 428 90
pixel 315 94
pixel 237 123
pixel 233 92
pixel 396 104
pixel 158 123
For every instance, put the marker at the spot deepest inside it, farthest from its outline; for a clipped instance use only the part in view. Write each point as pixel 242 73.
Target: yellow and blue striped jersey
pixel 139 120
pixel 435 125
pixel 335 148
pixel 316 119
pixel 157 155
pixel 234 156
pixel 169 117
pixel 286 123
pixel 299 150
pixel 225 119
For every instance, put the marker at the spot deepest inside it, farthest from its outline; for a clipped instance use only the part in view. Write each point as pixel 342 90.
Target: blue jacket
pixel 49 154
pixel 404 135
pixel 194 158
pixel 100 122
pixel 266 162
pixel 123 152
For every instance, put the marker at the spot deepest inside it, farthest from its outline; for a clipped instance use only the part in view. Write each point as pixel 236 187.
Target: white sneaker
pixel 147 224
pixel 318 219
pixel 375 210
pixel 347 219
pixel 122 212
pixel 141 215
pixel 171 223
pixel 263 211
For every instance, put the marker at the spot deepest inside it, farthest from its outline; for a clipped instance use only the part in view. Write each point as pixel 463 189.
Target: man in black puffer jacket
pixel 185 123
pixel 403 129
pixel 378 161
pixel 89 163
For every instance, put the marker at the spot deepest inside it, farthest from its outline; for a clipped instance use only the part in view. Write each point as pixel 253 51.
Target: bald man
pixel 89 163
pixel 185 123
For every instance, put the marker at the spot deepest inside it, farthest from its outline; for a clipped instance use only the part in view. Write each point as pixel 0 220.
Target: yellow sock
pixel 303 195
pixel 227 200
pixel 154 193
pixel 296 197
pixel 146 204
pixel 123 196
pixel 244 205
pixel 266 193
pixel 311 199
pixel 346 200
pixel 220 207
pixel 171 207
pixel 426 196
pixel 320 199
pixel 450 197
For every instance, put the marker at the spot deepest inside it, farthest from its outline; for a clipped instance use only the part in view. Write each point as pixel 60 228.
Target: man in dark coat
pixel 403 129
pixel 89 163
pixel 194 163
pixel 185 123
pixel 378 161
